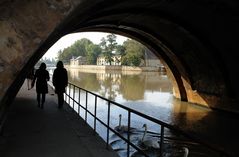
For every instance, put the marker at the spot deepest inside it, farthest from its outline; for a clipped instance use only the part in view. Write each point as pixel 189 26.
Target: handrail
pixel 161 123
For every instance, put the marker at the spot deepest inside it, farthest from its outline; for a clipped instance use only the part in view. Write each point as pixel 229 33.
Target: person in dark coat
pixel 41 77
pixel 60 82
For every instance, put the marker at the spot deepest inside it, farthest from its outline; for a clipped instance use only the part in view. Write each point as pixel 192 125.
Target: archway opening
pixel 127 89
pixel 133 78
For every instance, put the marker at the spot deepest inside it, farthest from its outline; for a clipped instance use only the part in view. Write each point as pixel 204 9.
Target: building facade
pixel 116 60
pixel 80 60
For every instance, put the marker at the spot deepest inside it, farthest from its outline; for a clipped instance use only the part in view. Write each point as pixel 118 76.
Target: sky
pixel 70 39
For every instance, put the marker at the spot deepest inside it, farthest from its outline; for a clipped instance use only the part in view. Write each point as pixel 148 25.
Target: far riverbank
pixel 115 68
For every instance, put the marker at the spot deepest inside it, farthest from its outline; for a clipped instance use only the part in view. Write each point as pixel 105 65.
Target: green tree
pixel 93 51
pixel 134 53
pixel 105 50
pixel 80 46
pixel 63 55
pixel 120 50
pixel 77 49
pixel 108 46
pixel 135 60
pixel 111 39
pixel 103 43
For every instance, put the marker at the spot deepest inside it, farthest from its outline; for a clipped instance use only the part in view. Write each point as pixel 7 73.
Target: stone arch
pixel 182 56
pixel 196 39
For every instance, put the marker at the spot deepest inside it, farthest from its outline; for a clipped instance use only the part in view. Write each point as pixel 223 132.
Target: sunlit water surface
pixel 147 92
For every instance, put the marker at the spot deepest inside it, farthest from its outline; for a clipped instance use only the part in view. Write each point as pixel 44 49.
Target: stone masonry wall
pixel 24 25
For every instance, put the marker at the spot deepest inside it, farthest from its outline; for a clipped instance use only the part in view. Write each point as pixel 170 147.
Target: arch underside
pixel 191 65
pixel 182 34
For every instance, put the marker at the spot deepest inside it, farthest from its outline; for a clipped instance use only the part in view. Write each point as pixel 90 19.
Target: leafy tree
pixel 103 43
pixel 124 61
pixel 80 46
pixel 108 46
pixel 93 51
pixel 77 49
pixel 111 39
pixel 135 60
pixel 134 53
pixel 106 53
pixel 120 50
pixel 134 47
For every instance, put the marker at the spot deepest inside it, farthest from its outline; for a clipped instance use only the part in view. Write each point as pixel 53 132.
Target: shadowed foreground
pixel 30 131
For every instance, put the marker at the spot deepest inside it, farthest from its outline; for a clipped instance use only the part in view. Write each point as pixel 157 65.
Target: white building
pixel 80 60
pixel 116 60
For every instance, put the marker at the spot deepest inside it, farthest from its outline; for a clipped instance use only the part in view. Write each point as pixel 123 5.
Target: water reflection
pixel 188 116
pixel 147 92
pixel 122 87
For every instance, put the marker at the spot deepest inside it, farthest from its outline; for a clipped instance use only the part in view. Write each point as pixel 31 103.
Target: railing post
pixel 65 94
pixel 69 91
pixel 73 97
pixel 161 140
pixel 95 113
pixel 86 103
pixel 79 103
pixel 129 144
pixel 108 123
pixel 128 135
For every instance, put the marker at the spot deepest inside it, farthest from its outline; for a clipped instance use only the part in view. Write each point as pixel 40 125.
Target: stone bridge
pixel 197 40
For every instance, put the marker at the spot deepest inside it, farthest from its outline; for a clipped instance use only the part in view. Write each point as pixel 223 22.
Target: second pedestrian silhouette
pixel 41 77
pixel 60 82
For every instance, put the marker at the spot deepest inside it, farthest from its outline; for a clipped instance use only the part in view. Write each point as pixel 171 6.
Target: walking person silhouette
pixel 60 81
pixel 41 77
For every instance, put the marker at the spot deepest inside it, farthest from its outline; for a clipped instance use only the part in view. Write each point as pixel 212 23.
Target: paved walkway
pixel 33 132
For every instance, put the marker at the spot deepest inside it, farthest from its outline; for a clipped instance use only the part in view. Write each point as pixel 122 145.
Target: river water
pixel 147 92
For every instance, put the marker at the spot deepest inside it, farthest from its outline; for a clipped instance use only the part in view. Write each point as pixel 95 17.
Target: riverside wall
pixel 115 68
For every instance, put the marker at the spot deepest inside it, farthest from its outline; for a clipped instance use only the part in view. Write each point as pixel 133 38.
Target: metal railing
pixel 71 97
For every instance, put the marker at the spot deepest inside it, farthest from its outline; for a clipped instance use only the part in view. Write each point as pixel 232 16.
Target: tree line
pixel 131 51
